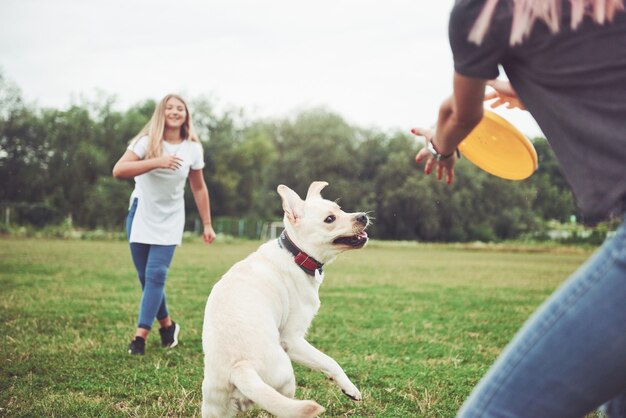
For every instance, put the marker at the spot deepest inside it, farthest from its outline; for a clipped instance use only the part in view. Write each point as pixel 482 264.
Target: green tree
pixel 75 162
pixel 554 198
pixel 318 145
pixel 220 135
pixel 24 159
pixel 59 162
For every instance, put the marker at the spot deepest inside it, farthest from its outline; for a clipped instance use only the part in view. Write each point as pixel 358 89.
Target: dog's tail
pixel 248 381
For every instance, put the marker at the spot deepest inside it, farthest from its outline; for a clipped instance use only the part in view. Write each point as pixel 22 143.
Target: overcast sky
pixel 384 64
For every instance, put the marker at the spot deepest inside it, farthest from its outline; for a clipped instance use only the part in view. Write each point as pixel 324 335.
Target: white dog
pixel 258 314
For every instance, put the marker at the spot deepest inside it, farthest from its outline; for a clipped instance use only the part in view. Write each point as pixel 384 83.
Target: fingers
pixel 499 102
pixel 491 95
pixel 426 133
pixel 508 102
pixel 442 169
pixel 430 164
pixel 502 86
pixel 501 90
pixel 175 162
pixel 422 155
pixel 208 235
pixel 505 92
pixel 449 175
pixel 422 132
pixel 208 238
pixel 494 84
pixel 439 172
pixel 447 171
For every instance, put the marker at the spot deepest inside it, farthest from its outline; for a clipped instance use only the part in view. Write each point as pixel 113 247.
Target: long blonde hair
pixel 156 126
pixel 526 12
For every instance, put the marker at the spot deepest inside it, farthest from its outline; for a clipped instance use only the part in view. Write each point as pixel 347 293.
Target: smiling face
pixel 175 113
pixel 319 226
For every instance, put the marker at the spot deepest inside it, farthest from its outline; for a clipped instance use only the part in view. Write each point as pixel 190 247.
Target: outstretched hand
pixel 504 94
pixel 441 167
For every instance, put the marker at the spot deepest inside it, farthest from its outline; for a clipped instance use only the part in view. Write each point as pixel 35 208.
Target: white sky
pixel 384 64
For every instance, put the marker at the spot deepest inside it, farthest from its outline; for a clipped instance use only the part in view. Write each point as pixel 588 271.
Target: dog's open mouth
pixel 354 241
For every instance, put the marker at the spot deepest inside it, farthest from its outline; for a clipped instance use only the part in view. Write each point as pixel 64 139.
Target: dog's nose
pixel 362 219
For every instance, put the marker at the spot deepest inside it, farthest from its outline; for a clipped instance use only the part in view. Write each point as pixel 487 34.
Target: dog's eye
pixel 330 219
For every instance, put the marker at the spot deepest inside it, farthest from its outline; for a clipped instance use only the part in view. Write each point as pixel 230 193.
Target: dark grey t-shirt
pixel 574 85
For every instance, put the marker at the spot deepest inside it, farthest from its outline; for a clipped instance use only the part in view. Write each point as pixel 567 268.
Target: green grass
pixel 414 326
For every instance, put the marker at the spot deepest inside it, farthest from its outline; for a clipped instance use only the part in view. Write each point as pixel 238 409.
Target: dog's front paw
pixel 353 393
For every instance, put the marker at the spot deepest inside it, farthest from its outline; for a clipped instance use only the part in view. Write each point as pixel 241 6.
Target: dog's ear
pixel 315 189
pixel 292 204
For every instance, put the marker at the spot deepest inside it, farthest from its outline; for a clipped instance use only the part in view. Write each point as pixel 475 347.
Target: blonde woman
pixel 161 157
pixel 566 63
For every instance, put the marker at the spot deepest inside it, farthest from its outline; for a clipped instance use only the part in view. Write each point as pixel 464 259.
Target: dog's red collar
pixel 307 263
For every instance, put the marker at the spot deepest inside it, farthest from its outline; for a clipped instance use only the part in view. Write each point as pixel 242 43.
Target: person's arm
pixel 458 115
pixel 201 197
pixel 130 165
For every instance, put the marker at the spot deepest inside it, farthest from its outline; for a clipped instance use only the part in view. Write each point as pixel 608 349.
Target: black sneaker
pixel 137 346
pixel 169 335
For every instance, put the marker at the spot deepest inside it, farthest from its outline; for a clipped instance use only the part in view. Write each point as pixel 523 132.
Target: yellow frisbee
pixel 500 149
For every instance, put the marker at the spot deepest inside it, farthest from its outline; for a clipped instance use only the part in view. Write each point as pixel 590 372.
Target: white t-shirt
pixel 160 215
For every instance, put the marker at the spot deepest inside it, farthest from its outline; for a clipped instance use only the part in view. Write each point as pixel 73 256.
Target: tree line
pixel 56 163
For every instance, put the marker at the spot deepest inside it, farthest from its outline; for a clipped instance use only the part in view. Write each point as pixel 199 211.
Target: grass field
pixel 413 325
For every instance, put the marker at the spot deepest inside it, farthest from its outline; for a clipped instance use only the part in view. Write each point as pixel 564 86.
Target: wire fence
pixel 245 227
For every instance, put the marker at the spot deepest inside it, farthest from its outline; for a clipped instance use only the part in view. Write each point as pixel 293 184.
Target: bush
pixel 33 214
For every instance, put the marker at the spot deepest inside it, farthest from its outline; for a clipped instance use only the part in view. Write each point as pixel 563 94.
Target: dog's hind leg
pixel 289 388
pixel 214 406
pixel 282 376
pixel 248 381
pixel 214 411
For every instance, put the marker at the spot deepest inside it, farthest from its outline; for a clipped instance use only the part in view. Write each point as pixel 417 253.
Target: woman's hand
pixel 173 162
pixel 444 166
pixel 130 165
pixel 504 95
pixel 209 234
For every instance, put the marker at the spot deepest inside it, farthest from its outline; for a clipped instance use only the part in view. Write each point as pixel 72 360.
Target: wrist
pixel 434 150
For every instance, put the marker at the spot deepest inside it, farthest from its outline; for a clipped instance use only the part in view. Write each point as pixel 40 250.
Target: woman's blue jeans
pixel 570 356
pixel 151 262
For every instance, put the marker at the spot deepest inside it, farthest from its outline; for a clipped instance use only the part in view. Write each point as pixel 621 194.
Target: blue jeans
pixel 570 356
pixel 151 262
